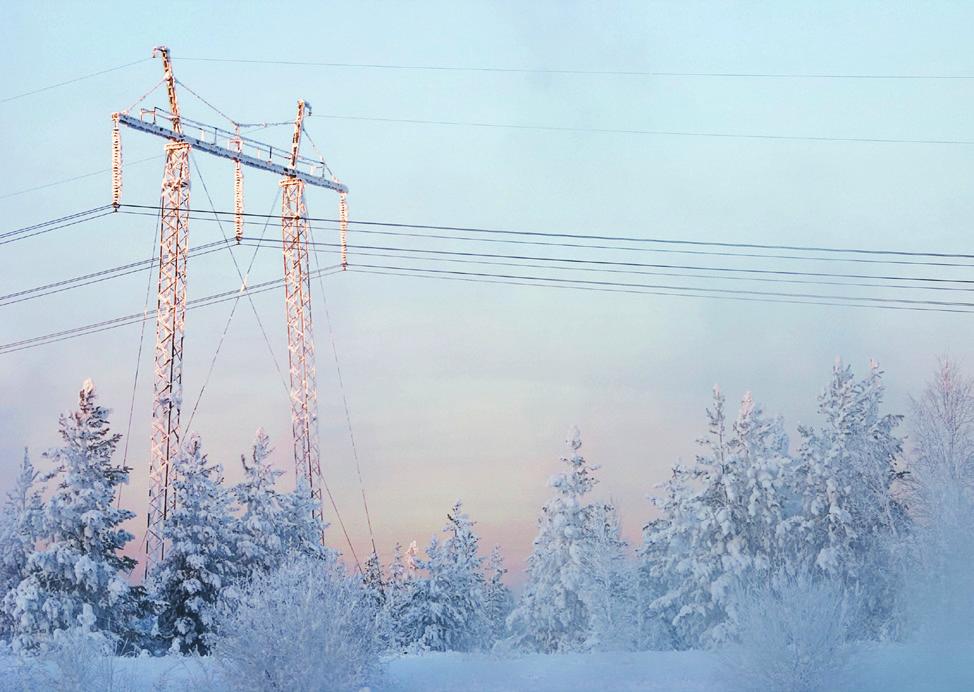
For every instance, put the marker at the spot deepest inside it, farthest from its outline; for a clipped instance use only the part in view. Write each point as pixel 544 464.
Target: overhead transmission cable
pixel 547 282
pixel 654 289
pixel 125 320
pixel 98 276
pixel 715 291
pixel 656 265
pixel 584 236
pixel 777 276
pixel 611 266
pixel 62 181
pixel 635 131
pixel 753 296
pixel 508 240
pixel 586 72
pixel 54 224
pixel 72 81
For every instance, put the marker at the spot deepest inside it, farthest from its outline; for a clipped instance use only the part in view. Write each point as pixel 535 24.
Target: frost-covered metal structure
pixel 297 309
pixel 182 135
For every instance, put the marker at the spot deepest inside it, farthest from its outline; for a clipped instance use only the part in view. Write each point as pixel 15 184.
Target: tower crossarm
pixel 220 142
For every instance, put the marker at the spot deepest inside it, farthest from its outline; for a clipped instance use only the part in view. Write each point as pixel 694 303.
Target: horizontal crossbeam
pixel 209 141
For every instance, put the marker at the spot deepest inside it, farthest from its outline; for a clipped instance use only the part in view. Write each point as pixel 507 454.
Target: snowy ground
pixel 888 668
pixel 559 673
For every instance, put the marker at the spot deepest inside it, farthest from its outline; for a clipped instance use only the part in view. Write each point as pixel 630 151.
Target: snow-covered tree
pixel 721 521
pixel 555 610
pixel 614 613
pixel 942 468
pixel 850 515
pixel 940 581
pixel 447 607
pixel 300 526
pixel 400 587
pixel 78 566
pixel 19 520
pixel 374 595
pixel 373 582
pixel 656 581
pixel 259 544
pixel 200 561
pixel 498 600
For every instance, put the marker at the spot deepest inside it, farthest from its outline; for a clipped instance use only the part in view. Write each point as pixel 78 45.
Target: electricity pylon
pixel 296 171
pixel 297 310
pixel 167 390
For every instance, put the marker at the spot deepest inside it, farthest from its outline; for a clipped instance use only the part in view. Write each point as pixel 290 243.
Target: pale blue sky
pixel 466 390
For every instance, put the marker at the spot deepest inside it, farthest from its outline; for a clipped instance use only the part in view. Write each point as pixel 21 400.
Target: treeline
pixel 61 541
pixel 862 539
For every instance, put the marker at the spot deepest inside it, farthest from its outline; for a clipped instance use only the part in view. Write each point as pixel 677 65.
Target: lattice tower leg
pixel 170 324
pixel 300 337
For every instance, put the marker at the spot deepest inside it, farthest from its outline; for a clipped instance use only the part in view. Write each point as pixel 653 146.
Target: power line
pixel 590 246
pixel 72 81
pixel 872 300
pixel 568 284
pixel 724 272
pixel 594 73
pixel 607 263
pixel 54 224
pixel 606 266
pixel 77 177
pixel 97 277
pixel 613 286
pixel 601 237
pixel 629 131
pixel 135 318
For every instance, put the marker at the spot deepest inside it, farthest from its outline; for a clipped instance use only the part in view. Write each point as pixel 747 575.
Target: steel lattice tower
pixel 170 326
pixel 170 323
pixel 300 334
pixel 296 171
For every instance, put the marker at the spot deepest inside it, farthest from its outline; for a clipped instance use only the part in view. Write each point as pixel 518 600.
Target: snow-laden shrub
pixel 73 660
pixel 792 636
pixel 305 627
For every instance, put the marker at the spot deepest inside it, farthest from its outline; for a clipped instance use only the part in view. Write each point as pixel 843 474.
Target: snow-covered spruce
pixel 498 600
pixel 557 611
pixel 374 595
pixel 850 517
pixel 446 611
pixel 300 526
pixel 400 587
pixel 721 521
pixel 199 564
pixel 78 568
pixel 615 623
pixel 259 545
pixel 19 523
